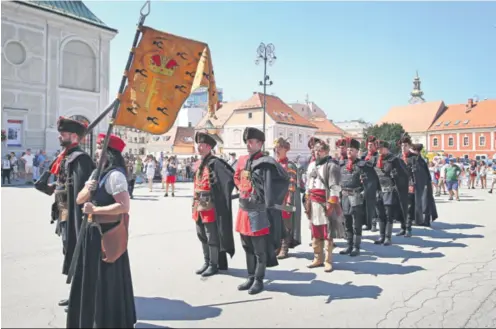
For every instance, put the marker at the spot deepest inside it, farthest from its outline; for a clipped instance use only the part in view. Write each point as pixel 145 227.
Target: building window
pixel 190 124
pixel 435 141
pixel 300 138
pixel 465 141
pixel 482 141
pixel 250 115
pixel 451 141
pixel 237 136
pixel 79 66
pixel 290 138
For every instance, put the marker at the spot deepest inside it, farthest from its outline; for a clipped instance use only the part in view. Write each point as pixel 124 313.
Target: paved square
pixel 441 277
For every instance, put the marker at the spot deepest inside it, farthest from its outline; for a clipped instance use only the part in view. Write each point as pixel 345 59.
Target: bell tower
pixel 416 93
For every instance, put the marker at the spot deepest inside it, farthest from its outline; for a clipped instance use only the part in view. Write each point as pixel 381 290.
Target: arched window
pixel 79 66
pixel 87 142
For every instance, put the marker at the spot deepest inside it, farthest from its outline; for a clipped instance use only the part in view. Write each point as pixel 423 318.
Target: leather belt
pixel 248 205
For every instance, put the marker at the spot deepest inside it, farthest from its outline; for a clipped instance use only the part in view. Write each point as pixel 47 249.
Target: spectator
pixel 14 165
pixel 232 160
pixel 6 168
pixel 452 174
pixel 43 162
pixel 472 171
pixel 171 171
pixel 150 170
pixel 483 174
pixel 36 166
pixel 28 159
pixel 442 176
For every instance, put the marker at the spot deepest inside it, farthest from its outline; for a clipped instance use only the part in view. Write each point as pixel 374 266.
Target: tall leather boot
pixel 403 229
pixel 374 225
pixel 251 264
pixel 213 265
pixel 348 250
pixel 318 253
pixel 408 232
pixel 206 256
pixel 283 252
pixel 329 246
pixel 356 246
pixel 258 285
pixel 382 232
pixel 389 233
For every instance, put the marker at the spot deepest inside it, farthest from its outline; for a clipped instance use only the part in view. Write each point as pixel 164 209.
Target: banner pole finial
pixel 145 10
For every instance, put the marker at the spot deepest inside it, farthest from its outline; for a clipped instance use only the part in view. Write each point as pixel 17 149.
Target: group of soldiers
pixel 341 197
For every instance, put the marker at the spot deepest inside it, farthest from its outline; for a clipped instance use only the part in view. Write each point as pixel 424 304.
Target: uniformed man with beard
pixel 393 195
pixel 262 184
pixel 72 169
pixel 342 151
pixel 359 184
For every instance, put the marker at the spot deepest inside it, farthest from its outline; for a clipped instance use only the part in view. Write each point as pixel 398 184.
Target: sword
pixel 276 206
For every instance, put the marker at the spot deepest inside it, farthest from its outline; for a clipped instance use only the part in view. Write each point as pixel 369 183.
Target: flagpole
pixel 144 12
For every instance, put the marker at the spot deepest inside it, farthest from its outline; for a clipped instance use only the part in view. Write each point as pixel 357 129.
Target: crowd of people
pixel 339 196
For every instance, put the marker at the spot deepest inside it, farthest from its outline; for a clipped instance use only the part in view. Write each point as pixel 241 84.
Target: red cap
pixel 114 142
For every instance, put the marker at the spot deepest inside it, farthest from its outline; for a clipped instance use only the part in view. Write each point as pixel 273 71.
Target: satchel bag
pixel 114 241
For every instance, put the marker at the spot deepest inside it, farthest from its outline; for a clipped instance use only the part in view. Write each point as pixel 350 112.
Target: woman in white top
pixel 483 174
pixel 150 170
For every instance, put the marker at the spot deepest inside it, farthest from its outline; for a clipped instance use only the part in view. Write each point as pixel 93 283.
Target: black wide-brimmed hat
pixel 71 126
pixel 206 138
pixel 253 133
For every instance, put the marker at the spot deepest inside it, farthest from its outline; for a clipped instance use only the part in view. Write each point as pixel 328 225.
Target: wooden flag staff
pixel 144 12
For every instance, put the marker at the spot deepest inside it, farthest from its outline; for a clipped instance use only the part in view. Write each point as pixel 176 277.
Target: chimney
pixel 470 103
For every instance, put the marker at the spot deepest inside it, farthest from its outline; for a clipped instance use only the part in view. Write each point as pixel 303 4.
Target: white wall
pixel 32 90
pixel 187 115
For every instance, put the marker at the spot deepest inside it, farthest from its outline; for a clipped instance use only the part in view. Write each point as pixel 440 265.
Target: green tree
pixel 390 132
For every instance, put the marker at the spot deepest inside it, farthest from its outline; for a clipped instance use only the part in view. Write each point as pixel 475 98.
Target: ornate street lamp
pixel 266 54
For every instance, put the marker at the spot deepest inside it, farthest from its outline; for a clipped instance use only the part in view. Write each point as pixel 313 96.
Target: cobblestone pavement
pixel 444 276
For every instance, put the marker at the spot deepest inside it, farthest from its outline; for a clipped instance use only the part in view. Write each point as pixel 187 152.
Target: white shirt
pixel 29 159
pixel 6 164
pixel 116 183
pixel 150 168
pixel 443 170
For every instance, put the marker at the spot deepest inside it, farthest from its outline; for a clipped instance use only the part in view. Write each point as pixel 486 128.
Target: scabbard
pixel 77 249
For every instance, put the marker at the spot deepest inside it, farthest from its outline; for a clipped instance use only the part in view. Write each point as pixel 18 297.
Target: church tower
pixel 416 93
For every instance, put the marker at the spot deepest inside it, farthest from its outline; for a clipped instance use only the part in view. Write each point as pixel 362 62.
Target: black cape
pixel 222 185
pixel 295 239
pixel 429 208
pixel 271 181
pixel 400 179
pixel 79 166
pixel 370 187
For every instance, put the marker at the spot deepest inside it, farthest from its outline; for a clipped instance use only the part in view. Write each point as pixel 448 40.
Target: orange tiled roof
pixel 223 114
pixel 459 116
pixel 416 117
pixel 185 136
pixel 326 127
pixel 279 111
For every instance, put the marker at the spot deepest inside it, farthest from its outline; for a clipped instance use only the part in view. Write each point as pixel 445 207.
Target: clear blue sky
pixel 355 60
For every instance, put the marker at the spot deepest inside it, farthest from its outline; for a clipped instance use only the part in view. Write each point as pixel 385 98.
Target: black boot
pixel 258 285
pixel 348 250
pixel 382 232
pixel 389 233
pixel 408 233
pixel 206 256
pixel 213 267
pixel 374 225
pixel 356 246
pixel 402 232
pixel 251 264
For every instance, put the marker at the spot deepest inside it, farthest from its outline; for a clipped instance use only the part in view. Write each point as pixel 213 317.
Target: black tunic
pixel 101 293
pixel 79 167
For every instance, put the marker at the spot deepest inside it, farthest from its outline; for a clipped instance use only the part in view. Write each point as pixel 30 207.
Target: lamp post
pixel 266 54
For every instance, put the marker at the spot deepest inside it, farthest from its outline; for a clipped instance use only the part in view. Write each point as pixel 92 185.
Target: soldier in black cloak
pixel 263 184
pixel 371 155
pixel 71 168
pixel 419 202
pixel 212 211
pixel 393 194
pixel 359 184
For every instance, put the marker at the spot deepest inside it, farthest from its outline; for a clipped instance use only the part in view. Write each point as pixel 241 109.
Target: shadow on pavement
pixel 332 291
pixel 375 268
pixel 148 325
pixel 447 226
pixel 275 275
pixel 395 251
pixel 158 308
pixel 432 245
pixel 441 234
